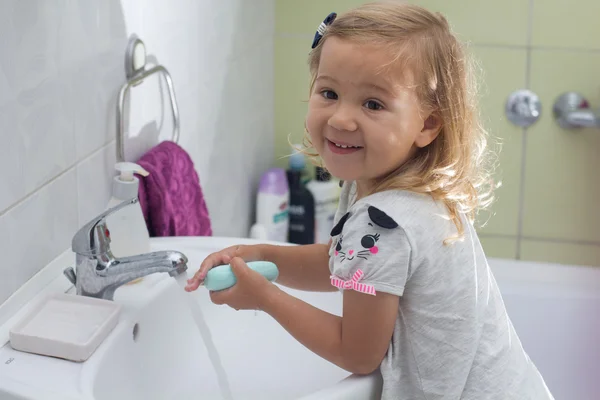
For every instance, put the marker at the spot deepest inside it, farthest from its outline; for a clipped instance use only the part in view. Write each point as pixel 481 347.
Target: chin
pixel 341 172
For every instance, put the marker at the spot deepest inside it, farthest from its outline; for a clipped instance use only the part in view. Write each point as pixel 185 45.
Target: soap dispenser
pixel 128 230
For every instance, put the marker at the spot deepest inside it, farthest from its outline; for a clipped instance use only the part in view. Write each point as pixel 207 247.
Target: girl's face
pixel 364 122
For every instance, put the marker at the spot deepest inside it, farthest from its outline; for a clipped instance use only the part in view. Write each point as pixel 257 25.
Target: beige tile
pixel 293 16
pixel 490 22
pixel 499 247
pixel 562 183
pixel 497 22
pixel 292 81
pixel 561 253
pixel 503 71
pixel 564 24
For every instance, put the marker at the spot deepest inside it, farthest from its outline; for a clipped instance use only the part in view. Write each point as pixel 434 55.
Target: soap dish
pixel 65 326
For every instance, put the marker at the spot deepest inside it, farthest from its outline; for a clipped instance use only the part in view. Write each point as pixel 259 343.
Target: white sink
pixel 156 351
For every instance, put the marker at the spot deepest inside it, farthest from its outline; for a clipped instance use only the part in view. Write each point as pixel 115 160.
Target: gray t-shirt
pixel 453 338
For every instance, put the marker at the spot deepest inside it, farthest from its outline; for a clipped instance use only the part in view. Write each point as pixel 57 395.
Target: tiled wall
pixel 547 208
pixel 61 65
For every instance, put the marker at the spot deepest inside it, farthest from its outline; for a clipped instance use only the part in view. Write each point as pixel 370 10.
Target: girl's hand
pixel 251 291
pixel 247 253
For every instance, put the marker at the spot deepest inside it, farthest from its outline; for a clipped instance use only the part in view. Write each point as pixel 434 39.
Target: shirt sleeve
pixel 372 253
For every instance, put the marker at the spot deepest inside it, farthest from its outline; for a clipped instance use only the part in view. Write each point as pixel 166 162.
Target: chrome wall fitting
pixel 523 108
pixel 572 111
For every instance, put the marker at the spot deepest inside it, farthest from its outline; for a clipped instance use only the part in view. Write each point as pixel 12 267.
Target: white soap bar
pixel 65 326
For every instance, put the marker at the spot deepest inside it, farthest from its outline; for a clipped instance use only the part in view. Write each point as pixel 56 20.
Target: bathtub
pixel 555 310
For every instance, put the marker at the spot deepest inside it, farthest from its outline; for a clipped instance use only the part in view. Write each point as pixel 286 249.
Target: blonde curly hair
pixel 455 168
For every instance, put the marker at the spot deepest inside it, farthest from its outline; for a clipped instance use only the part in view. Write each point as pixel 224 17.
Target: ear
pixel 381 219
pixel 431 129
pixel 340 225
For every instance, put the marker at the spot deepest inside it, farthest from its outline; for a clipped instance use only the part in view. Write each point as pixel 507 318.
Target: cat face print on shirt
pixel 363 244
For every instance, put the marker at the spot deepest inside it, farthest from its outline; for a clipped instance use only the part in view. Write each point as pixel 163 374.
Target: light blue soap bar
pixel 222 277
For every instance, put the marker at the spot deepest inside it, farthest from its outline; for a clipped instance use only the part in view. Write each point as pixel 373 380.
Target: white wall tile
pixel 8 283
pixel 12 185
pixel 45 131
pixel 92 42
pixel 6 89
pixel 94 182
pixel 41 227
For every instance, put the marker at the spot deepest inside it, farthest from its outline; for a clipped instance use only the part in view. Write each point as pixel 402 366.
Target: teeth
pixel 345 147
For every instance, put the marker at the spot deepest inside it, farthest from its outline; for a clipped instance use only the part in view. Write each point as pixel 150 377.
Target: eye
pixel 338 246
pixel 373 105
pixel 329 94
pixel 369 241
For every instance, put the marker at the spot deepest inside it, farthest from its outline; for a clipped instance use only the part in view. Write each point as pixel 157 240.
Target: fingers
pixel 209 262
pixel 218 297
pixel 238 266
pixel 223 296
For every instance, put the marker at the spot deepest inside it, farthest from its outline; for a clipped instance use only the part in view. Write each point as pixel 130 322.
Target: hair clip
pixel 322 28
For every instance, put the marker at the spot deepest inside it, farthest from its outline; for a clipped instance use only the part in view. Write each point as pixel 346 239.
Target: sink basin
pixel 157 352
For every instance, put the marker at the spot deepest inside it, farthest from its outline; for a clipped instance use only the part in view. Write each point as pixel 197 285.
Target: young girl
pixel 392 114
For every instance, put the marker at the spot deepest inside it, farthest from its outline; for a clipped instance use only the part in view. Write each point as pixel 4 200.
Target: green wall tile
pixel 562 185
pixel 503 72
pixel 561 253
pixel 570 24
pixel 292 81
pixel 497 247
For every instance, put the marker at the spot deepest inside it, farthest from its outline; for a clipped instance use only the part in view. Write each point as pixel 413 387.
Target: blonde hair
pixel 453 167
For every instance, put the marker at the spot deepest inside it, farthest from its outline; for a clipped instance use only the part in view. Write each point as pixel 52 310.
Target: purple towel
pixel 171 197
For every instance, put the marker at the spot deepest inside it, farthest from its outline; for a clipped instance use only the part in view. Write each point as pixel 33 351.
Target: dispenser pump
pixel 126 184
pixel 127 169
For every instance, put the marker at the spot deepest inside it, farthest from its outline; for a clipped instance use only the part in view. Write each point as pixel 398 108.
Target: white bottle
pixel 128 231
pixel 326 192
pixel 272 207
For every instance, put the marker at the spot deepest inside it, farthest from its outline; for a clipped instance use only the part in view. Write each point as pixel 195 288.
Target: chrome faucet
pixel 98 273
pixel 571 110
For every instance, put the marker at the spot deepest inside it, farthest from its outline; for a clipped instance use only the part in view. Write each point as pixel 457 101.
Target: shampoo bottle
pixel 326 193
pixel 272 206
pixel 302 204
pixel 128 230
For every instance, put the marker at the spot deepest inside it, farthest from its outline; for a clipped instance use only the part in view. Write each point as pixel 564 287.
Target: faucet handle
pixel 94 238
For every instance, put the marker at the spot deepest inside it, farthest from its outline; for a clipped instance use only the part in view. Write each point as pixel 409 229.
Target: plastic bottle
pixel 272 207
pixel 128 230
pixel 326 192
pixel 302 204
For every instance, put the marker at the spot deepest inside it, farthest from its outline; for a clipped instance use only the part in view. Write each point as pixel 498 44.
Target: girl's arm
pixel 301 267
pixel 356 342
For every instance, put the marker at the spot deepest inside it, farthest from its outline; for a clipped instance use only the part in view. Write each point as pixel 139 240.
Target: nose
pixel 351 252
pixel 343 118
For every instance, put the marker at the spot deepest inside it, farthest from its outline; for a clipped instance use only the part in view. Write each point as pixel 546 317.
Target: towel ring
pixel 136 72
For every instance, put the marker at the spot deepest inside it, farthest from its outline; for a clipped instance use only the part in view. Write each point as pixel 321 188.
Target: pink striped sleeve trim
pixel 353 283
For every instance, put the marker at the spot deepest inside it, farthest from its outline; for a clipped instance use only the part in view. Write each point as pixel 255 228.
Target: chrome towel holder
pixel 136 72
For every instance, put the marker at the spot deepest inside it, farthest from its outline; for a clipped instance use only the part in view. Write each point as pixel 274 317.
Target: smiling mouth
pixel 342 148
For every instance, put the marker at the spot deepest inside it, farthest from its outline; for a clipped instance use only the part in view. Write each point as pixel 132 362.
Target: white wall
pixel 61 65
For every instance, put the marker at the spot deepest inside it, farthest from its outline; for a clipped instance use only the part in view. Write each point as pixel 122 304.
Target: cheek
pixel 374 250
pixel 314 118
